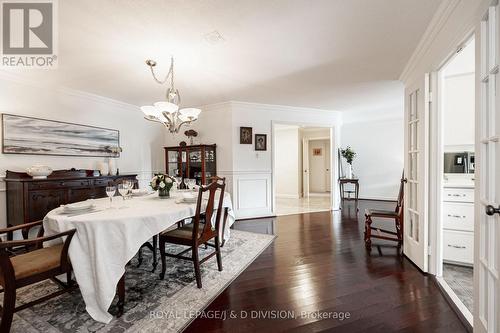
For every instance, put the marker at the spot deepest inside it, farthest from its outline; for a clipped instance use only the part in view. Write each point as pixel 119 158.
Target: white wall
pixel 458 100
pixel 379 145
pixel 287 156
pixel 458 111
pixel 141 140
pixel 250 172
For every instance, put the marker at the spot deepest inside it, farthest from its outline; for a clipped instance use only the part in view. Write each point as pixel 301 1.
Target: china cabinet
pixel 192 162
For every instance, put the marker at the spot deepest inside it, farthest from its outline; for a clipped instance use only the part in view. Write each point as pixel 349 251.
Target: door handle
pixel 490 210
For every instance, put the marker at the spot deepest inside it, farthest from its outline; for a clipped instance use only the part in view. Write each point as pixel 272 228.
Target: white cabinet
pixel 458 225
pixel 458 246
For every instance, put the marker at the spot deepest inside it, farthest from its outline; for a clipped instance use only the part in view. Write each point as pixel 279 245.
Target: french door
pixel 487 213
pixel 416 172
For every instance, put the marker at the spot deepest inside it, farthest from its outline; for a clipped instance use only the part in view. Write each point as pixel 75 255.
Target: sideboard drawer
pixel 458 216
pixel 102 182
pixel 458 194
pixel 46 185
pixel 458 246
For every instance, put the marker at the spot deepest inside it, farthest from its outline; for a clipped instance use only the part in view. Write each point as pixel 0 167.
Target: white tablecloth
pixel 107 239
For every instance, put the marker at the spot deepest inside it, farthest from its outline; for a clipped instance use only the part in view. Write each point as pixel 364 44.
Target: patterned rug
pixel 151 304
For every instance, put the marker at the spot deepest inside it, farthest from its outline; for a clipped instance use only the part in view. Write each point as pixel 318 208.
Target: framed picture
pixel 27 135
pixel 316 151
pixel 260 142
pixel 245 135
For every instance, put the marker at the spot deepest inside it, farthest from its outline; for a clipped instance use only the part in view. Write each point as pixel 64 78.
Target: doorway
pixel 302 169
pixel 456 130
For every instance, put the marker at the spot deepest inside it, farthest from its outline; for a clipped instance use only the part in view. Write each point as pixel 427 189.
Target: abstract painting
pixel 26 135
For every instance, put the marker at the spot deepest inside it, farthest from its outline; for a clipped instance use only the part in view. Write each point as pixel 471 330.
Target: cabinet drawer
pixel 458 194
pixel 58 184
pixel 458 246
pixel 458 216
pixel 102 182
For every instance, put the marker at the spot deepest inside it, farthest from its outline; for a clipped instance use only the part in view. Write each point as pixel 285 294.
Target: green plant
pixel 348 154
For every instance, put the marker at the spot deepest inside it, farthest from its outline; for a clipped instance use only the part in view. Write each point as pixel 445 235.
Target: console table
pixel 343 181
pixel 29 199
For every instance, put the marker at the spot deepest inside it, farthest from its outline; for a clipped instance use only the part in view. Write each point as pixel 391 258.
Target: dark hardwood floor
pixel 318 263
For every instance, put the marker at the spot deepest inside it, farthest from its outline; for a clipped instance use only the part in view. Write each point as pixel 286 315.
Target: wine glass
pixel 191 183
pixel 123 190
pixel 110 192
pixel 130 185
pixel 178 180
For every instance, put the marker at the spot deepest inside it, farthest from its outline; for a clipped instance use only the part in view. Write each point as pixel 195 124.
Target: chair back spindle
pixel 208 232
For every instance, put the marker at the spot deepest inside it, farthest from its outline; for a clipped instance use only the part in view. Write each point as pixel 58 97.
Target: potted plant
pixel 162 183
pixel 349 155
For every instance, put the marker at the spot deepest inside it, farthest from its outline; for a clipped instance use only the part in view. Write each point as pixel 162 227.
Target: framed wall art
pixel 245 135
pixel 27 135
pixel 260 142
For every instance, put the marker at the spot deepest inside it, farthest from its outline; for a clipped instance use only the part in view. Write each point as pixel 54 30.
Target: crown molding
pixel 19 79
pixel 438 21
pixel 279 107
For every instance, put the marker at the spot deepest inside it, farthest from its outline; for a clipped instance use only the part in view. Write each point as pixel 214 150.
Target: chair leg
pixel 400 233
pixel 196 262
pixel 9 303
pixel 69 280
pixel 368 233
pixel 163 261
pixel 217 253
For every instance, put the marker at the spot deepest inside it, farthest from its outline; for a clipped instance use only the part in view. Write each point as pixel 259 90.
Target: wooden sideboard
pixel 31 199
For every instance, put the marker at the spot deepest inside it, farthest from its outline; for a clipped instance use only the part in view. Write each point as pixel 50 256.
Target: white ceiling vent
pixel 214 37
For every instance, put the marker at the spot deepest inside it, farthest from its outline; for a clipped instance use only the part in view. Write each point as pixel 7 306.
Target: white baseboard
pixel 319 194
pixel 378 198
pixel 288 196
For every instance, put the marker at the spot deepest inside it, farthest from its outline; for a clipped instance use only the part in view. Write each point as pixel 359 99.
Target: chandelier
pixel 168 112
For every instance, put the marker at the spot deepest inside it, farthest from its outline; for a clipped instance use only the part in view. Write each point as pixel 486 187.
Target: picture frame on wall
pixel 245 135
pixel 36 136
pixel 261 142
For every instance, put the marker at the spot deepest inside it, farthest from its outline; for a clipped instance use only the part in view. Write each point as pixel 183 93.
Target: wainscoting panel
pixel 252 193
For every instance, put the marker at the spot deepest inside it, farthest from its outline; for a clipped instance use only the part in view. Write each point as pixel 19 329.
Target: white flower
pixel 168 180
pixel 162 185
pixel 153 181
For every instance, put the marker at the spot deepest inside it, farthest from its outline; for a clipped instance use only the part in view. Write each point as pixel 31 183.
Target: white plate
pixel 79 206
pixel 140 192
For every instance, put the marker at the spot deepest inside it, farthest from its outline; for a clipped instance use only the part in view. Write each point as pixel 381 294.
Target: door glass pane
pixel 416 226
pixel 411 225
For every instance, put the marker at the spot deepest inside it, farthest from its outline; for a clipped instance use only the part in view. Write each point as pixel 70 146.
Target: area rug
pixel 152 305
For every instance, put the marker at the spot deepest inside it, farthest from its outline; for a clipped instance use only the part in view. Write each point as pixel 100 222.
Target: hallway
pixel 290 206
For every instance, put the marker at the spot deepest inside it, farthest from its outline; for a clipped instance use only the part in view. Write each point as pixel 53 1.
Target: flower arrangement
pixel 348 154
pixel 162 183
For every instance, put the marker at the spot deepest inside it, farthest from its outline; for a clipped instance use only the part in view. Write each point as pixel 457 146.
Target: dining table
pixel 109 235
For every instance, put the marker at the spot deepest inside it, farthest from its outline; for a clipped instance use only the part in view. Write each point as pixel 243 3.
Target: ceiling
pixel 327 54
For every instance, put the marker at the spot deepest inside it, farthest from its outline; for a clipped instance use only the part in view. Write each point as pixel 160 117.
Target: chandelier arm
pixel 182 123
pixel 154 120
pixel 169 74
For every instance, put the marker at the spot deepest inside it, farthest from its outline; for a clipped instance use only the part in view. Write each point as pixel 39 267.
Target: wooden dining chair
pixel 199 232
pixel 396 215
pixel 25 262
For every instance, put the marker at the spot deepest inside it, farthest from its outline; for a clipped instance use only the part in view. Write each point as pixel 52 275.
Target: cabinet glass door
pixel 173 162
pixel 209 164
pixel 195 165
